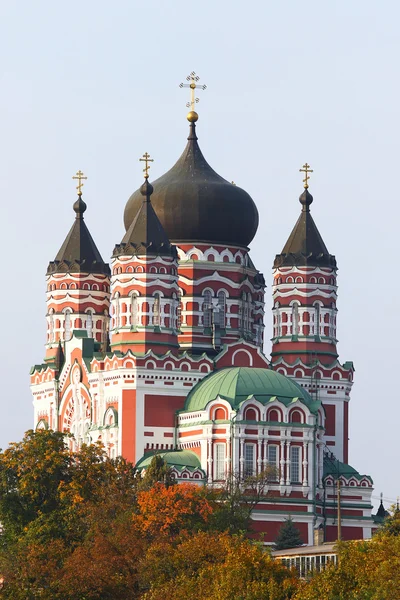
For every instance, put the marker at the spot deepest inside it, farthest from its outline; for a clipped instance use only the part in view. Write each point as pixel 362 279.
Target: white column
pixel 259 449
pixel 288 462
pixel 209 460
pixel 305 464
pixel 282 463
pixel 241 459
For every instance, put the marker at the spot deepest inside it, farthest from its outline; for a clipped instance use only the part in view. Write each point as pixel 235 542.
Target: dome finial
pixel 147 189
pixel 306 169
pixel 146 159
pixel 192 115
pixel 306 198
pixel 79 176
pixel 79 206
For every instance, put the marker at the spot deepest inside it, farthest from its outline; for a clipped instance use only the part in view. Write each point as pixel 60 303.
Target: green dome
pixel 174 458
pixel 236 384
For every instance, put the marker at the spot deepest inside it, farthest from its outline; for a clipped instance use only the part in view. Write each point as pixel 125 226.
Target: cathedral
pixel 161 351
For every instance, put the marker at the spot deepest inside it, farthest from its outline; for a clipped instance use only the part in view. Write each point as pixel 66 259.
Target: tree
pixel 366 570
pixel 157 472
pixel 288 536
pixel 237 499
pixel 214 565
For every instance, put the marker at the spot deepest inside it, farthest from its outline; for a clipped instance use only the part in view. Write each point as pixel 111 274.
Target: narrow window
pixel 89 324
pixel 273 460
pixel 117 312
pixel 317 320
pixel 295 464
pixel 156 311
pixel 51 326
pixel 179 310
pixel 67 325
pixel 248 460
pixel 207 307
pixel 134 310
pixel 221 309
pixel 295 319
pixel 219 461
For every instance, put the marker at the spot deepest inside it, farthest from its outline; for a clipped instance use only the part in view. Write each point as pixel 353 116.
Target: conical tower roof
pixel 79 253
pixel 195 204
pixel 305 245
pixel 146 235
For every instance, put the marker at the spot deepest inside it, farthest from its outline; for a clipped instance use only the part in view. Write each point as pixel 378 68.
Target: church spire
pixel 305 245
pixel 78 286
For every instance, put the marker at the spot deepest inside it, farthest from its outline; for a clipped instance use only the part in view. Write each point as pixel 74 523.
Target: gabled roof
pixel 174 458
pixel 79 253
pixel 305 245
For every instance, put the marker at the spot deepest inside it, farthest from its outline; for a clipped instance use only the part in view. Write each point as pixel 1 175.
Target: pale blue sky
pixel 91 85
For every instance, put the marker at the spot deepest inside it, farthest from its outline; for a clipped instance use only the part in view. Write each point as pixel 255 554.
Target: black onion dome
pixel 195 204
pixel 305 246
pixel 79 253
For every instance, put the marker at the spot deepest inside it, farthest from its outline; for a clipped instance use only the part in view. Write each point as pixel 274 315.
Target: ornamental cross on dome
pixel 146 159
pixel 79 176
pixel 192 85
pixel 306 169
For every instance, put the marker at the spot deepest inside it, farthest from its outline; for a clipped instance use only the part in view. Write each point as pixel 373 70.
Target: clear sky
pixel 92 85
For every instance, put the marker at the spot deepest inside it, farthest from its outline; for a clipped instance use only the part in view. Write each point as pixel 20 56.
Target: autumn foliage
pixel 80 526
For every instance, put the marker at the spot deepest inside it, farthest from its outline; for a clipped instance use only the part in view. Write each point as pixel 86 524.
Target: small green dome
pixel 174 458
pixel 236 384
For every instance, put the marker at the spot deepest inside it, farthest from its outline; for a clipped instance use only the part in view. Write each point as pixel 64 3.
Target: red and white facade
pixel 126 346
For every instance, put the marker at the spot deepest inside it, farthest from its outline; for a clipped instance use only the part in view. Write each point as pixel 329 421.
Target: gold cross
pixel 79 176
pixel 146 159
pixel 193 85
pixel 306 169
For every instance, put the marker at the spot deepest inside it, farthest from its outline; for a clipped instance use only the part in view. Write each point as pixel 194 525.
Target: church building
pixel 161 351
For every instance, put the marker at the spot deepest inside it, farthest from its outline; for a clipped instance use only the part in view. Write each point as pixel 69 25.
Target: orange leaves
pixel 172 510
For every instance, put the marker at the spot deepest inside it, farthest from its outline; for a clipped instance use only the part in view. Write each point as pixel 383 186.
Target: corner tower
pixel 304 323
pixel 78 286
pixel 145 284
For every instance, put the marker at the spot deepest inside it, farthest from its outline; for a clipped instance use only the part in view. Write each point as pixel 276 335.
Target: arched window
pixel 207 308
pixel 89 324
pixel 259 333
pixel 134 310
pixel 156 310
pixel 67 325
pixel 295 319
pixel 222 309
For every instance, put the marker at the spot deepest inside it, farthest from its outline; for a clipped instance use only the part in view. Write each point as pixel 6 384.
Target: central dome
pixel 236 384
pixel 195 204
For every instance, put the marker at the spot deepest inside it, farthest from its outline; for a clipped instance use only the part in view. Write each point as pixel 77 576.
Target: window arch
pixel 207 308
pixel 222 309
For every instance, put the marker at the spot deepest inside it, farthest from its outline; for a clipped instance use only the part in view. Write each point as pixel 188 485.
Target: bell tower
pixel 304 342
pixel 78 286
pixel 144 284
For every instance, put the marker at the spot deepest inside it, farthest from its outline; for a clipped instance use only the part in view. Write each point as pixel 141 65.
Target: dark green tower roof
pixel 79 253
pixel 305 245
